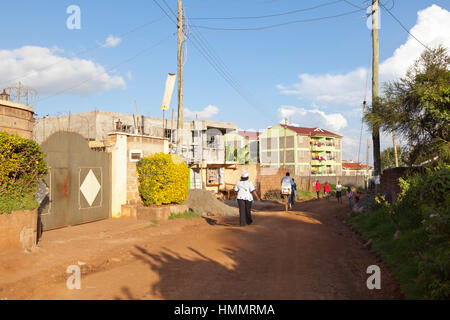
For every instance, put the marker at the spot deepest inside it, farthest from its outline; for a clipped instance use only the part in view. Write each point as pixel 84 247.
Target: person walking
pixel 327 190
pixel 293 194
pixel 318 188
pixel 287 184
pixel 339 192
pixel 245 189
pixel 350 197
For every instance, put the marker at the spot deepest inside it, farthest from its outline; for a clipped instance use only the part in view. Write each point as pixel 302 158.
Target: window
pixel 135 155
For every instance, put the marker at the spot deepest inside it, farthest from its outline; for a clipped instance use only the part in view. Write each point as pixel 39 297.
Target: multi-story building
pixel 303 151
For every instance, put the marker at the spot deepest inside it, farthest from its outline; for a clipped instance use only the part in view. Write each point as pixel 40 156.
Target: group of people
pixel 246 192
pixel 349 193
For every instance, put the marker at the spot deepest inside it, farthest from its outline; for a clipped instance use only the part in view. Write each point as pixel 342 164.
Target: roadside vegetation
pixel 163 179
pixel 185 215
pixel 413 234
pixel 21 166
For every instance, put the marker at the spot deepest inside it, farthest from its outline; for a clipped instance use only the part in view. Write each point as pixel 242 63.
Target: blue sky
pixel 313 73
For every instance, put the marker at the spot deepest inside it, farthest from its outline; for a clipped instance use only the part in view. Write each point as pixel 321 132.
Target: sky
pixel 307 61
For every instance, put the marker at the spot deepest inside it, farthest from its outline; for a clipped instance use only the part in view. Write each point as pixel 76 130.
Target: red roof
pixel 355 166
pixel 251 135
pixel 312 131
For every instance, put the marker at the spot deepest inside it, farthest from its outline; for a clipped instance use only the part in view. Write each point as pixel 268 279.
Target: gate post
pixel 118 174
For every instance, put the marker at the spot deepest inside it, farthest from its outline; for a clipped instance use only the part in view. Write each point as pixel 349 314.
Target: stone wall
pixel 18 230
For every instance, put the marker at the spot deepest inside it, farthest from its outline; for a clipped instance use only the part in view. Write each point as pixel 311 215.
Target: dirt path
pixel 307 253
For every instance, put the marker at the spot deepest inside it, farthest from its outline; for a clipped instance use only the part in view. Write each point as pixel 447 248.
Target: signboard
pixel 168 91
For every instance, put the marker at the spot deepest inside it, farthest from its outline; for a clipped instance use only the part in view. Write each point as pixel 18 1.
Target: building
pixel 242 146
pixel 303 151
pixel 350 168
pixel 202 147
pixel 16 118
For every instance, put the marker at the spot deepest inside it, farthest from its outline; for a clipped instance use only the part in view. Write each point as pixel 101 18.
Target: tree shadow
pixel 281 257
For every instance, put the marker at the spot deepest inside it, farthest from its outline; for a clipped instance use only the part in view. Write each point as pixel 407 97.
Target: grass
pixel 154 224
pixel 9 203
pixel 185 215
pixel 402 255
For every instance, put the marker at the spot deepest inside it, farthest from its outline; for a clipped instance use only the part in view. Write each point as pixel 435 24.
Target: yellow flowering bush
pixel 163 179
pixel 21 166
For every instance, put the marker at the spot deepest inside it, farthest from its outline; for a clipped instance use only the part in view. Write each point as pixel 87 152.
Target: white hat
pixel 245 174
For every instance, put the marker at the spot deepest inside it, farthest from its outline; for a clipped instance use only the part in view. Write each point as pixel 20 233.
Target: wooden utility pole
pixel 171 133
pixel 395 147
pixel 180 76
pixel 285 139
pixel 367 159
pixel 375 86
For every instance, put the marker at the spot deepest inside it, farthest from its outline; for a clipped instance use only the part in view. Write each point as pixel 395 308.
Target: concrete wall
pixel 18 230
pixel 118 174
pixel 16 119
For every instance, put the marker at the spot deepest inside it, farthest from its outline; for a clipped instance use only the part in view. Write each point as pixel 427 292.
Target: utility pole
pixel 395 147
pixel 285 139
pixel 180 76
pixel 375 86
pixel 367 163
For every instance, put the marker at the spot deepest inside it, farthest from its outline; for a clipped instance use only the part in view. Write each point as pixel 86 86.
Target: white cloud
pixel 44 70
pixel 313 118
pixel 348 89
pixel 207 113
pixel 112 42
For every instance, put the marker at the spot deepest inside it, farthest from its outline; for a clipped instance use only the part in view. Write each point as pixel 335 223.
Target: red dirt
pixel 308 253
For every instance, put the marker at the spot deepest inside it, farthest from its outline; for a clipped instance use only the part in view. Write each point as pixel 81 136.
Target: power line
pixel 270 15
pixel 109 69
pixel 280 24
pixel 82 52
pixel 212 58
pixel 240 3
pixel 404 28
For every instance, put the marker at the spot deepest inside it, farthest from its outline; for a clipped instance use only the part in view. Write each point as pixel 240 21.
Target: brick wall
pixel 18 230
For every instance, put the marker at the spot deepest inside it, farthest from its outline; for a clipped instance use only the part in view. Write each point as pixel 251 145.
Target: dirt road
pixel 308 253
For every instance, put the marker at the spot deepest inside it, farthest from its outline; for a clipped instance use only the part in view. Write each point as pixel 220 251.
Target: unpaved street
pixel 308 253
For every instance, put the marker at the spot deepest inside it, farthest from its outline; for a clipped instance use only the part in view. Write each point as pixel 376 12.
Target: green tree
pixel 388 158
pixel 417 107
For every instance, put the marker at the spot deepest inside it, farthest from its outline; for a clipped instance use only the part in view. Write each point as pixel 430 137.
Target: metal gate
pixel 79 182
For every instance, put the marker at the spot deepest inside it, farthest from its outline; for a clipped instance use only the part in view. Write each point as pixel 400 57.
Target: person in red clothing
pixel 327 190
pixel 318 188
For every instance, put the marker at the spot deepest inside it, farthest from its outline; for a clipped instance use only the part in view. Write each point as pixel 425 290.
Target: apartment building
pixel 303 151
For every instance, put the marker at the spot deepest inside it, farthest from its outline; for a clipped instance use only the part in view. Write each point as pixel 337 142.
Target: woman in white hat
pixel 245 189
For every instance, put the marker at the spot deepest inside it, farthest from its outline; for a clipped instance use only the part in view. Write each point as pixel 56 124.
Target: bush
pixel 161 180
pixel 21 166
pixel 421 257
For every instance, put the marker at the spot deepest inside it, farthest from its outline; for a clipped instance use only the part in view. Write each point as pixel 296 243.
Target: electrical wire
pixel 109 69
pixel 279 24
pixel 82 52
pixel 240 3
pixel 270 15
pixel 404 28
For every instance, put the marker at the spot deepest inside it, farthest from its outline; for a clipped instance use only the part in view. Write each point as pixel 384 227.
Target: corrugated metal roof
pixel 312 131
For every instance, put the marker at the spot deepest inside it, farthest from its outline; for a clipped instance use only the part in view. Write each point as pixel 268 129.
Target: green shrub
pixel 161 180
pixel 420 258
pixel 21 166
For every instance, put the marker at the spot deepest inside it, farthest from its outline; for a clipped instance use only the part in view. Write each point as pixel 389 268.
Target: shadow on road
pixel 282 256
